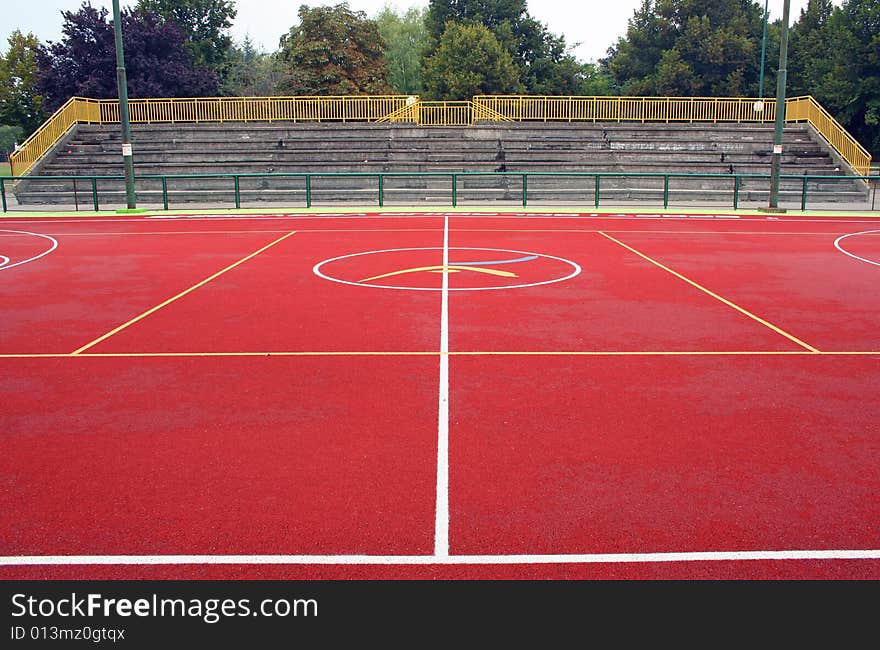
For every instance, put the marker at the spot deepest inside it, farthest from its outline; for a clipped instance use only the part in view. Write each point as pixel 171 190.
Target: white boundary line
pixel 405 215
pixel 586 558
pixel 6 265
pixel 846 252
pixel 441 521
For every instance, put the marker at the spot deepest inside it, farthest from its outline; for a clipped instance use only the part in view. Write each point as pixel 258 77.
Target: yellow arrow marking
pixel 444 269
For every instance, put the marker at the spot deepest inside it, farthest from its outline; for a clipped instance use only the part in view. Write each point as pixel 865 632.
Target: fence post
pixel 736 191
pixel 95 193
pixel 525 178
pixel 165 192
pixel 454 190
pixel 308 190
pixel 236 183
pixel 804 194
pixel 665 191
pixel 3 193
pixel 597 190
pixel 381 190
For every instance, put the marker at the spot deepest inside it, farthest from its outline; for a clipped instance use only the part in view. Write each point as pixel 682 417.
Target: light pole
pixel 780 109
pixel 122 83
pixel 763 49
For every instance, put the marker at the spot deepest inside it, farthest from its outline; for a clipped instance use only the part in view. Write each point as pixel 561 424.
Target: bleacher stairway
pixel 261 151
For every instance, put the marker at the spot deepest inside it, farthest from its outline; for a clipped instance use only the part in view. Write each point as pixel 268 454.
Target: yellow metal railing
pixel 465 113
pixel 620 109
pixel 404 108
pixel 807 109
pixel 75 111
pixel 353 108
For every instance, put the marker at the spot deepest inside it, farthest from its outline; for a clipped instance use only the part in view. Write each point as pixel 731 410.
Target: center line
pixel 441 522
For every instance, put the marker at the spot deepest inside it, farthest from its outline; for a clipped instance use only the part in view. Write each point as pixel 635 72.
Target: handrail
pixel 408 108
pixel 809 110
pixel 76 110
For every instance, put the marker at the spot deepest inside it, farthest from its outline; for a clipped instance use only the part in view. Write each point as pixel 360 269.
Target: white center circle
pixel 571 269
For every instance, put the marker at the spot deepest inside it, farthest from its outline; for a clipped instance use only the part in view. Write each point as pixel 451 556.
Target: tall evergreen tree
pixel 850 88
pixel 811 50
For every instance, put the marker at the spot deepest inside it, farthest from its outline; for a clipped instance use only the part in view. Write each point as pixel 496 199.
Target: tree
pixel 690 47
pixel 850 89
pixel 469 61
pixel 543 63
pixel 206 24
pixel 811 50
pixel 9 137
pixel 21 106
pixel 251 73
pixel 406 39
pixel 333 51
pixel 84 62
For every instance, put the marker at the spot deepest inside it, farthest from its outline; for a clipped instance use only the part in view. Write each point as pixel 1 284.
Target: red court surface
pixel 440 395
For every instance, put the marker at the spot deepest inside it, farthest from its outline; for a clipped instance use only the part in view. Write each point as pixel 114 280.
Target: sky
pixel 589 27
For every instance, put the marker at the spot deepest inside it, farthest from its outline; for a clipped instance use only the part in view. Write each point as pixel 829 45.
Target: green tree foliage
pixel 206 24
pixel 21 106
pixel 333 51
pixel 469 61
pixel 251 73
pixel 543 63
pixel 810 48
pixel 690 47
pixel 846 79
pixel 9 137
pixel 406 38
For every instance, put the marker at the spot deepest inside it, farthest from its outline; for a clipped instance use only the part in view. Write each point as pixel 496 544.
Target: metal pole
pixel 763 49
pixel 122 84
pixel 780 109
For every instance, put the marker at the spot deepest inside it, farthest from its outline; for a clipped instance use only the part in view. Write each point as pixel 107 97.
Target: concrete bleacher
pixel 261 151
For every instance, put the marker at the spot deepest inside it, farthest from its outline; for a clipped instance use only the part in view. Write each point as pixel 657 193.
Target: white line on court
pixel 441 521
pixel 574 558
pixel 846 252
pixel 6 265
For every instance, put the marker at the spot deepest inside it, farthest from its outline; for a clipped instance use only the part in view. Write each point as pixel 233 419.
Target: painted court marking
pixel 585 558
pixel 742 310
pixel 320 270
pixel 838 246
pixel 4 260
pixel 179 295
pixel 441 554
pixel 441 521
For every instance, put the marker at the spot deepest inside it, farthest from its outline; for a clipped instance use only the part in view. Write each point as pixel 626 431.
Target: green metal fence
pixel 663 187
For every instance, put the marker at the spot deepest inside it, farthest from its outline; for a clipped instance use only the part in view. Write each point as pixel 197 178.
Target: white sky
pixel 595 26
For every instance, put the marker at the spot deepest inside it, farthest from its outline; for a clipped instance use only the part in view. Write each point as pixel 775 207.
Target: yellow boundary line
pixel 713 294
pixel 179 295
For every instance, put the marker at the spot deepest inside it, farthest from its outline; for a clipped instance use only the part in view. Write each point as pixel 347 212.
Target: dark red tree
pixel 83 63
